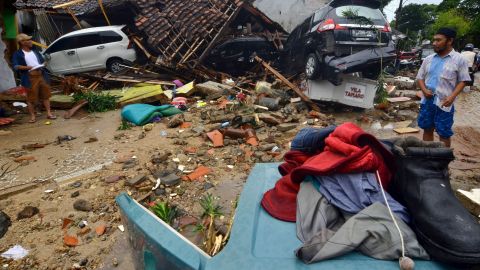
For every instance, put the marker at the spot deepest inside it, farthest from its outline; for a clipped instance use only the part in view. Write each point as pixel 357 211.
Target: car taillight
pixel 329 24
pixel 387 28
pixel 130 45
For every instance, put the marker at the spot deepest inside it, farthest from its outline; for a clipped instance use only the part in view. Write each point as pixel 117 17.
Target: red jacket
pixel 347 150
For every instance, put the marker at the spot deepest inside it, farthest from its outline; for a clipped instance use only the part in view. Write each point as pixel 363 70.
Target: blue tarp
pixel 141 114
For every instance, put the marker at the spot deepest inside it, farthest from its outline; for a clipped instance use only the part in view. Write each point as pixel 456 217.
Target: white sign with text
pixel 355 92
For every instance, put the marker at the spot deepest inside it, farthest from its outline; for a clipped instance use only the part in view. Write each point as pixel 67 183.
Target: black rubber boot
pixel 447 231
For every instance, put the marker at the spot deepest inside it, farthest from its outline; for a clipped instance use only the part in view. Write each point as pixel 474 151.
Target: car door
pixel 62 57
pixel 90 50
pixel 113 45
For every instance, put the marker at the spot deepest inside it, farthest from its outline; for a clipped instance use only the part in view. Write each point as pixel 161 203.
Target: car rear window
pixel 358 14
pixel 110 36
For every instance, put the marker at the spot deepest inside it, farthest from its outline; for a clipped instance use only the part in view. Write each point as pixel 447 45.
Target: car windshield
pixel 359 15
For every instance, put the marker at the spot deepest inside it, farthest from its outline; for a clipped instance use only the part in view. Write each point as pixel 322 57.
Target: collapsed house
pixel 183 33
pixel 178 34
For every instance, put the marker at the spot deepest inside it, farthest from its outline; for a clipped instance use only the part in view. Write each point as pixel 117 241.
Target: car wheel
pixel 115 65
pixel 312 67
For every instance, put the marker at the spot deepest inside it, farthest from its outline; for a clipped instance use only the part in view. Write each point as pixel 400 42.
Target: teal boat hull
pixel 257 241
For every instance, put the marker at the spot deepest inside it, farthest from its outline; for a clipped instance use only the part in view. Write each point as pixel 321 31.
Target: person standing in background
pixel 471 58
pixel 28 62
pixel 442 77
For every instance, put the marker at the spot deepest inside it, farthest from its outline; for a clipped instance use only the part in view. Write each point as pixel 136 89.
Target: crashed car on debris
pixel 94 48
pixel 345 36
pixel 235 56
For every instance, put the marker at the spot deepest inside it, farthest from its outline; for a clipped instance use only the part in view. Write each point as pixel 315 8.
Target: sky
pixel 390 9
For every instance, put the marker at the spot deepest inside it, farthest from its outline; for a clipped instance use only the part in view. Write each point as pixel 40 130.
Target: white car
pixel 95 48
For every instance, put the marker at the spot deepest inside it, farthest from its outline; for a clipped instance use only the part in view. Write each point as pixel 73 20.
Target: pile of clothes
pixel 339 184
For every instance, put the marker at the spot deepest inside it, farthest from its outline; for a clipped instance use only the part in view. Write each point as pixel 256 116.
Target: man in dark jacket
pixel 29 63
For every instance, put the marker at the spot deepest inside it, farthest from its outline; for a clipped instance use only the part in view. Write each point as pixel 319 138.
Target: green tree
pixel 453 19
pixel 416 17
pixel 446 5
pixel 470 8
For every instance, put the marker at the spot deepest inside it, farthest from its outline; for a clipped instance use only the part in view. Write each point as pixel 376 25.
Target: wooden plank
pixel 39 44
pixel 74 17
pixel 406 130
pixel 289 84
pixel 137 81
pixel 140 45
pixel 470 200
pixel 398 99
pixel 71 3
pixel 103 11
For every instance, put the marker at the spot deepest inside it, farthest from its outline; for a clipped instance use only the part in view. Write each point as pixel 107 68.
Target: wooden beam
pixel 65 5
pixel 74 17
pixel 289 84
pixel 103 11
pixel 217 36
pixel 140 45
pixel 39 44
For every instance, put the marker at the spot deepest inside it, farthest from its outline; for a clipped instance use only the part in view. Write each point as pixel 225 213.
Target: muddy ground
pixel 61 169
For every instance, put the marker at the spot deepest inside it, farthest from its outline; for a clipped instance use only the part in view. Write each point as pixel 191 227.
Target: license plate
pixel 363 33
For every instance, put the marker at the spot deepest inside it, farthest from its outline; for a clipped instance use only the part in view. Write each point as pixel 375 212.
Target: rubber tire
pixel 315 74
pixel 111 62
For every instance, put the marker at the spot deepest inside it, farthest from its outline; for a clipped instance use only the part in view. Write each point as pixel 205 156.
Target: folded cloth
pixel 348 149
pixel 311 140
pixel 325 234
pixel 354 192
pixel 141 114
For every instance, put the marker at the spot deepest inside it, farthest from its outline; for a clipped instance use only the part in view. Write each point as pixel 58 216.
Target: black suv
pixel 345 36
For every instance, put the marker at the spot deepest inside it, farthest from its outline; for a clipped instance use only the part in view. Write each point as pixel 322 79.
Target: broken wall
pixel 7 80
pixel 289 13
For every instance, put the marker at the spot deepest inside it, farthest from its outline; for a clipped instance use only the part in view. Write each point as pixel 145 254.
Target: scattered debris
pixel 91 139
pixel 216 137
pixel 75 194
pixel 82 205
pixel 171 180
pixel 65 138
pixel 198 173
pixel 27 212
pixel 471 200
pixel 113 179
pixel 136 180
pixel 398 99
pixel 100 229
pixel 24 158
pixel 33 146
pixel 16 252
pixel 406 130
pixel 70 241
pixel 5 222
